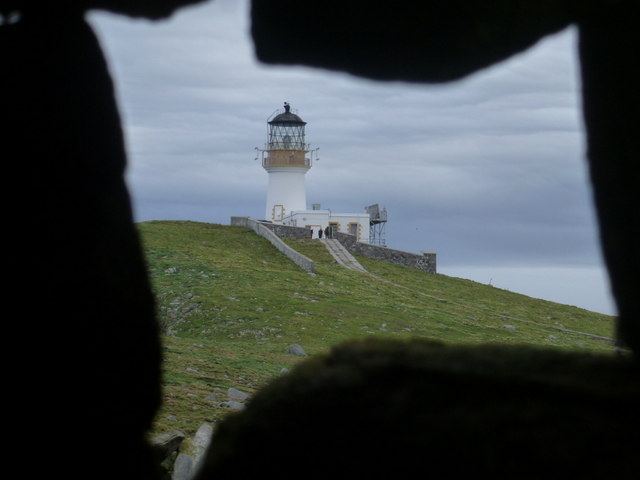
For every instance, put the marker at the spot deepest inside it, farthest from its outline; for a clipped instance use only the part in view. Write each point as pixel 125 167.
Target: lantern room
pixel 286 145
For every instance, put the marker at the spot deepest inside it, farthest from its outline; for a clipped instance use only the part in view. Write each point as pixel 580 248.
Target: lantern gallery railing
pixel 287 145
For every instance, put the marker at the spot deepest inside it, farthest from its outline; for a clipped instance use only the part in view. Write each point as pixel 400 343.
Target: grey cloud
pixel 487 171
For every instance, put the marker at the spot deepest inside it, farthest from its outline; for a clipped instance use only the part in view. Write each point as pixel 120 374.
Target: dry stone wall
pixel 425 261
pixel 286 231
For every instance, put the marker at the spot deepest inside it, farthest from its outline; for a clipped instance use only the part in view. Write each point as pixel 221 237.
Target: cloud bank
pixel 488 172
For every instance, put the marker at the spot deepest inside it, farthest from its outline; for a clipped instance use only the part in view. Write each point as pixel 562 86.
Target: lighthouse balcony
pixel 286 160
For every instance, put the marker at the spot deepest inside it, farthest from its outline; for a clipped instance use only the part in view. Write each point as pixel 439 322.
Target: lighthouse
pixel 285 160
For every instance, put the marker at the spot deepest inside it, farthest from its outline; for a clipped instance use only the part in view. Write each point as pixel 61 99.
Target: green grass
pixel 230 304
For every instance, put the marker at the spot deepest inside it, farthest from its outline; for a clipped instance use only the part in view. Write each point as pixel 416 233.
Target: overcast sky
pixel 488 172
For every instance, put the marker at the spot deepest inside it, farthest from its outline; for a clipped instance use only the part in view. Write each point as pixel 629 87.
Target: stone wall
pixel 262 229
pixel 425 261
pixel 286 231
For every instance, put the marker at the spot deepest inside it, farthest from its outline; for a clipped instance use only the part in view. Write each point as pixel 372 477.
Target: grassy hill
pixel 230 305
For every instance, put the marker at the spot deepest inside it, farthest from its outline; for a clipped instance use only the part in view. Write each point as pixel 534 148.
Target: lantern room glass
pixel 286 137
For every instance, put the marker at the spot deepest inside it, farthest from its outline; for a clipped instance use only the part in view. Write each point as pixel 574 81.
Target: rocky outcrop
pixel 180 456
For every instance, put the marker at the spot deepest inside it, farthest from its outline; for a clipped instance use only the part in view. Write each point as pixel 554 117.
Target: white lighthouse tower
pixel 285 160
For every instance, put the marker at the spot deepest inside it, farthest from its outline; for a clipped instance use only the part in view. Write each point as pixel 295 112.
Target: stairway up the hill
pixel 341 255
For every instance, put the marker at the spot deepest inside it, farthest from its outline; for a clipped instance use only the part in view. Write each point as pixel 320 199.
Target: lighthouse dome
pixel 287 118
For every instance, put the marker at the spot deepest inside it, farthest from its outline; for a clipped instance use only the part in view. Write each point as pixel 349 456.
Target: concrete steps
pixel 341 255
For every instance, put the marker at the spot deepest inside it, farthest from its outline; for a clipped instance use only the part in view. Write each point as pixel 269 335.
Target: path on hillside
pixel 476 308
pixel 341 255
pixel 344 258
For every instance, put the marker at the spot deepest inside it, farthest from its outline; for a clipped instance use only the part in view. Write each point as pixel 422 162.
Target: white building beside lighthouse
pixel 287 158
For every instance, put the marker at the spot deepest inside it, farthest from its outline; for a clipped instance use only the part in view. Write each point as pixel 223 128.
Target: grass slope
pixel 230 305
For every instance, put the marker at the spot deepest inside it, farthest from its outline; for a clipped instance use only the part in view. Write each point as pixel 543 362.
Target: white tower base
pixel 285 192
